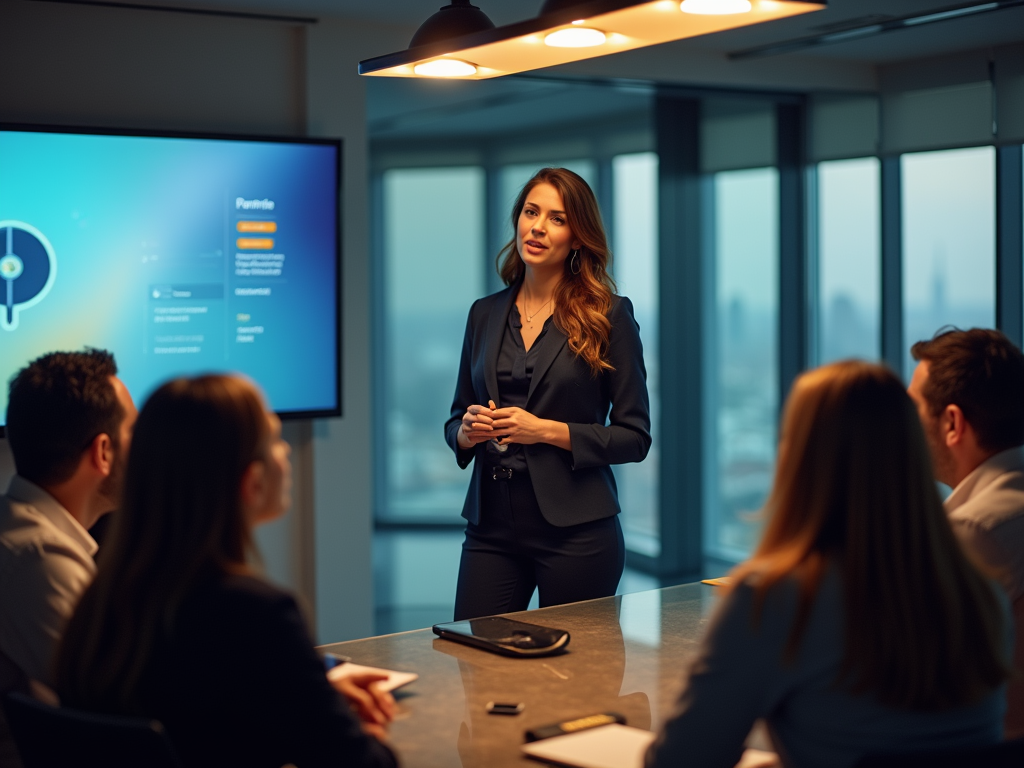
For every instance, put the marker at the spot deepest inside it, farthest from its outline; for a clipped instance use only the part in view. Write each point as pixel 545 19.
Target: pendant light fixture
pixel 460 42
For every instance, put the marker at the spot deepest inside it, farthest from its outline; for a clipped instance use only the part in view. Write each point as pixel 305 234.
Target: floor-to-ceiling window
pixel 949 224
pixel 849 259
pixel 945 253
pixel 433 237
pixel 635 267
pixel 745 379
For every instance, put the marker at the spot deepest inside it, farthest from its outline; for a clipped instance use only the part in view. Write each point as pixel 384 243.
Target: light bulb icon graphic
pixel 28 268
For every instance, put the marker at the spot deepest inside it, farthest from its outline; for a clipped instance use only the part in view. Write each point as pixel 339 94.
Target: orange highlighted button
pixel 256 226
pixel 254 243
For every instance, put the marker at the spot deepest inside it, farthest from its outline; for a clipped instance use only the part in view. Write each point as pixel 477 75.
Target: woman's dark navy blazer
pixel 576 486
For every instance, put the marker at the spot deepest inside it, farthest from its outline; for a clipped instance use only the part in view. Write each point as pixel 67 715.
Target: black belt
pixel 501 473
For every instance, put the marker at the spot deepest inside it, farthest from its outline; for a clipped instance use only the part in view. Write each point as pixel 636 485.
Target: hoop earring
pixel 574 265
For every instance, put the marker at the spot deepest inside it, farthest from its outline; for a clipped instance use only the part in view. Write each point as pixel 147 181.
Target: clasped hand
pixel 503 425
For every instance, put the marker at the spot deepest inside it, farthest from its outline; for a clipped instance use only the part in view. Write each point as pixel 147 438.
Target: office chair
pixel 52 737
pixel 1007 754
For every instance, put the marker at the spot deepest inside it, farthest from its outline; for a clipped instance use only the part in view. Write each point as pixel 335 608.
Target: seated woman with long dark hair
pixel 858 626
pixel 179 627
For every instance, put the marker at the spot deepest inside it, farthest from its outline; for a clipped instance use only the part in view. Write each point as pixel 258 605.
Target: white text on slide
pixel 241 204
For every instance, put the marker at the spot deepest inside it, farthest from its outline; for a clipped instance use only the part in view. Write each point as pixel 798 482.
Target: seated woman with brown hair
pixel 178 626
pixel 858 626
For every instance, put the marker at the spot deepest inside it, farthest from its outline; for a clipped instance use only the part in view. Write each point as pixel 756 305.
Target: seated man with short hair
pixel 69 425
pixel 969 391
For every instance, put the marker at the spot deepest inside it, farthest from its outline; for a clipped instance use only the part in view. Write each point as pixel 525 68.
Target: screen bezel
pixel 337 143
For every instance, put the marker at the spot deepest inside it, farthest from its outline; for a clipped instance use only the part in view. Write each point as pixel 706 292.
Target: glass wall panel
pixel 743 391
pixel 949 218
pixel 849 259
pixel 433 271
pixel 635 267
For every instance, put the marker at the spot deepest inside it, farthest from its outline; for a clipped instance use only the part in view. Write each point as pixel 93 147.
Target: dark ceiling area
pixel 927 40
pixel 558 96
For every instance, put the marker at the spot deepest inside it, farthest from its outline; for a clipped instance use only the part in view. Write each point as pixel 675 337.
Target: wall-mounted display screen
pixel 180 254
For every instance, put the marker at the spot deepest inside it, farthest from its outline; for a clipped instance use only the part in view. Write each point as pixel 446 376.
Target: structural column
pixel 1009 246
pixel 893 353
pixel 683 302
pixel 794 305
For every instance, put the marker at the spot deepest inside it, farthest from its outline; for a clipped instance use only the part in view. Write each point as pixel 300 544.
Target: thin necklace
pixel 526 308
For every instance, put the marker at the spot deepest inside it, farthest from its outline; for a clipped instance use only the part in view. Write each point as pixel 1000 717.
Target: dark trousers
pixel 514 550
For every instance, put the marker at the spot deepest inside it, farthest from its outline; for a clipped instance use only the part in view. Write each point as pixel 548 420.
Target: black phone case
pixel 515 638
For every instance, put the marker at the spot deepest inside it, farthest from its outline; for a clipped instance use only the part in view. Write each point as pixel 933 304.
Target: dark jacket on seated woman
pixel 237 683
pixel 858 626
pixel 178 626
pixel 740 676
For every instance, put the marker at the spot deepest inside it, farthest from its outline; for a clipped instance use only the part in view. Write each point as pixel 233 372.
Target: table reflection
pixel 584 680
pixel 627 654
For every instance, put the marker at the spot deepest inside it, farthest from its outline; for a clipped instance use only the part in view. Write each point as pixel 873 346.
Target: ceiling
pixel 932 39
pixel 406 108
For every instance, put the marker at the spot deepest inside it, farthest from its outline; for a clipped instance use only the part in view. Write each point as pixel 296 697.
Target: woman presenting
pixel 552 391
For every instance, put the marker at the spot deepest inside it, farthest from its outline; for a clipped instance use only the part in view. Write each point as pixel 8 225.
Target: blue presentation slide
pixel 179 255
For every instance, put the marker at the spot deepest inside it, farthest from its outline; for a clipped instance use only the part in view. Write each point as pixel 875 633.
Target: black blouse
pixel 515 371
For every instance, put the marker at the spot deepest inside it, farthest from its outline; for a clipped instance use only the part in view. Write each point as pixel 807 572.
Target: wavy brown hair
pixel 854 489
pixel 582 299
pixel 181 518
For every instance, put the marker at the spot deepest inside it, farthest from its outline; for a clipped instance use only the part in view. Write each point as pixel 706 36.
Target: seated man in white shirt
pixel 69 425
pixel 969 391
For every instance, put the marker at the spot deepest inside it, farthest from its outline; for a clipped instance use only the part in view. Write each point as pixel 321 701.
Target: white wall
pixel 90 65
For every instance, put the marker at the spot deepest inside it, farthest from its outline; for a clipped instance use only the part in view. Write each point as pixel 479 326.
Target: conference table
pixel 627 654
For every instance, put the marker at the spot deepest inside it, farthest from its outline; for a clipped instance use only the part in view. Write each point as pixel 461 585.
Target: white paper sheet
pixel 394 679
pixel 609 746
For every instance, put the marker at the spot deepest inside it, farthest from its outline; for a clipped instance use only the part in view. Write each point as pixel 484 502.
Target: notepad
pixel 610 746
pixel 394 679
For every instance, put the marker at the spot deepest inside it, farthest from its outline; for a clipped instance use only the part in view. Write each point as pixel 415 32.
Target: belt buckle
pixel 501 473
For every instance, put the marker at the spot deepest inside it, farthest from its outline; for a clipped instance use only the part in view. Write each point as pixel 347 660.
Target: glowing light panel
pixel 715 7
pixel 445 68
pixel 627 25
pixel 575 37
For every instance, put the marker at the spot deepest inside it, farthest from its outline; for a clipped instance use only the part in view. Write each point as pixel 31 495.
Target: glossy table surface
pixel 627 654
